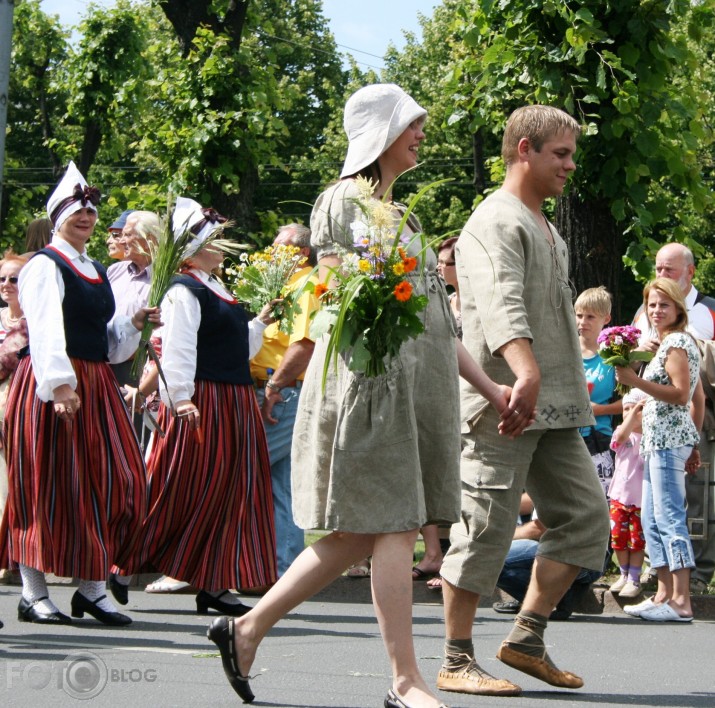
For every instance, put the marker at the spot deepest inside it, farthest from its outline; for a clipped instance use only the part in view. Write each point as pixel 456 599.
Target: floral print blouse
pixel 666 425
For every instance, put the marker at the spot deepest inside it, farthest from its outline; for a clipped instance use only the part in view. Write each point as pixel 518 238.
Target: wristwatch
pixel 273 386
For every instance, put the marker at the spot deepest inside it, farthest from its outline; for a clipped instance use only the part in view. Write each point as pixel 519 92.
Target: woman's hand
pixel 147 314
pixel 693 463
pixel 66 402
pixel 189 413
pixel 514 421
pixel 134 398
pixel 627 376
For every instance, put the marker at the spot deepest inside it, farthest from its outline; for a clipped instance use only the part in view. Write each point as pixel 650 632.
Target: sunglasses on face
pixel 12 279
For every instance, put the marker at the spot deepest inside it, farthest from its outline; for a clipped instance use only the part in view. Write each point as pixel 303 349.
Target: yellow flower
pixel 364 265
pixel 398 269
pixel 365 188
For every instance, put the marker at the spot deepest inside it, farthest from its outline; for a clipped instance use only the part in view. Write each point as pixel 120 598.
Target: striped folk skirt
pixel 77 491
pixel 210 520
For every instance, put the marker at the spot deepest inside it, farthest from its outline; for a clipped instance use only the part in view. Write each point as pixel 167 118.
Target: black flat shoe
pixel 28 612
pixel 220 632
pixel 394 701
pixel 80 605
pixel 204 601
pixel 119 591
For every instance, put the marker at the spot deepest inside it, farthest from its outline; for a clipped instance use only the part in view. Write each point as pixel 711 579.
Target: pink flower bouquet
pixel 616 347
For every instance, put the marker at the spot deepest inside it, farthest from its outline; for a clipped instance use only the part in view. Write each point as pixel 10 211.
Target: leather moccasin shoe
pixel 473 679
pixel 538 668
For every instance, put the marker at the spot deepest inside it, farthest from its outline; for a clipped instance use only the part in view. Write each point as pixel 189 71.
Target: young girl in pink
pixel 625 494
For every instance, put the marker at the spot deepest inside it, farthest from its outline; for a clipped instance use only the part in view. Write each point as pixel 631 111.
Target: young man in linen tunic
pixel 519 325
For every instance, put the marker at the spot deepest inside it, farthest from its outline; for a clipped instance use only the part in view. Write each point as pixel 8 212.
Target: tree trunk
pixel 239 207
pixel 480 177
pixel 187 15
pixel 595 246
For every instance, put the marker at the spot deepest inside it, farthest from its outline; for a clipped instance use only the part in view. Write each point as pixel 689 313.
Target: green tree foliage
pixel 612 64
pixel 207 105
pixel 39 47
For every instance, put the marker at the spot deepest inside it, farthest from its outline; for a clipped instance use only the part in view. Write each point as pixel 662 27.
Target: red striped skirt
pixel 210 520
pixel 77 491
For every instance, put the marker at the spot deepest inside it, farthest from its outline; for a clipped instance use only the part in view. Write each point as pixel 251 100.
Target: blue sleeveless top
pixel 222 339
pixel 87 307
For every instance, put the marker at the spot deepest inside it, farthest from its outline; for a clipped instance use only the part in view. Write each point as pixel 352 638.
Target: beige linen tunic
pixel 514 284
pixel 377 455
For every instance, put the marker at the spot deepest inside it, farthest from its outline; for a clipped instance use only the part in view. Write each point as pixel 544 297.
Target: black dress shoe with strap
pixel 27 612
pixel 394 701
pixel 80 605
pixel 221 634
pixel 119 591
pixel 204 601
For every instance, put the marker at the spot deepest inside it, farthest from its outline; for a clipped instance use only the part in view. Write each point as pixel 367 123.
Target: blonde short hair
pixel 536 123
pixel 596 300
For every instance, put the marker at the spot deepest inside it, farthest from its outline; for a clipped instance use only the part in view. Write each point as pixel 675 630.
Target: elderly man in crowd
pixel 676 262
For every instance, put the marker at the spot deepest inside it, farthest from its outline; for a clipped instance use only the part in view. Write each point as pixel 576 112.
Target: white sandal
pixel 165 584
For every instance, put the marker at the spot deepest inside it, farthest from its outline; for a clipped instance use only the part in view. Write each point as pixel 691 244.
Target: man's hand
pixel 521 411
pixel 270 398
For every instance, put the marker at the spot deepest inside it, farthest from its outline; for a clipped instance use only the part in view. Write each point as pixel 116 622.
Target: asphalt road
pixel 328 653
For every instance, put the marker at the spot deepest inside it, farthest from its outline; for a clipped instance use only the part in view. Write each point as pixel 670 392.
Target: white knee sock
pixel 34 586
pixel 93 590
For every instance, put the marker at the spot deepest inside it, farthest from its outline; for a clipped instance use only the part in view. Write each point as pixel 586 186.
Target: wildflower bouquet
pixel 372 310
pixel 616 345
pixel 261 277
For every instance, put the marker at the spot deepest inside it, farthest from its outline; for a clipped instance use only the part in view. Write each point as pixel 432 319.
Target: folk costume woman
pixel 76 497
pixel 210 520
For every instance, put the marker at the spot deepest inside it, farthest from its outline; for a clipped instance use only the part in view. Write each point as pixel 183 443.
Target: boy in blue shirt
pixel 593 313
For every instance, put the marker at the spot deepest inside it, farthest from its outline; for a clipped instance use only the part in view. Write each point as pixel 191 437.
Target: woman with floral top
pixel 669 435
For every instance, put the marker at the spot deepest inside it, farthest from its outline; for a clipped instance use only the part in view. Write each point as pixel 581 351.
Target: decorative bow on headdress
pixel 211 216
pixel 86 194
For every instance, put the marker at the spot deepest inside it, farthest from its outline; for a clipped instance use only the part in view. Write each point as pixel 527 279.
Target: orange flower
pixel 320 289
pixel 410 264
pixel 403 291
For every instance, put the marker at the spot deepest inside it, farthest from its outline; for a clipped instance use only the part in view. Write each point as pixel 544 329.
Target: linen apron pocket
pixel 374 413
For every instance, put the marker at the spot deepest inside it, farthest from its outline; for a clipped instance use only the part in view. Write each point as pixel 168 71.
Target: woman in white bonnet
pixel 374 459
pixel 76 475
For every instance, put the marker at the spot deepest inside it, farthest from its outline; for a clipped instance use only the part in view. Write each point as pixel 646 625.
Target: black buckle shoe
pixel 80 605
pixel 204 601
pixel 28 612
pixel 119 591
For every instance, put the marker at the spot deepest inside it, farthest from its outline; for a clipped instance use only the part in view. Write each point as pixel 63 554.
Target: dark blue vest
pixel 222 339
pixel 87 307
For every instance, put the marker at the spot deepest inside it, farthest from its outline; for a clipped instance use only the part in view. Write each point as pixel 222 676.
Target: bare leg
pixel 392 597
pixel 665 586
pixel 317 566
pixel 460 609
pixel 549 582
pixel 432 560
pixel 680 599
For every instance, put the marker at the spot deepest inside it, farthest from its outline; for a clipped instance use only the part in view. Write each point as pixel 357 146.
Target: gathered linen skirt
pixel 77 491
pixel 381 454
pixel 210 520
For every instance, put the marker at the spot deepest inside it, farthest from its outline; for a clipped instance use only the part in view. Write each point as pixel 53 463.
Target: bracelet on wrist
pixel 273 386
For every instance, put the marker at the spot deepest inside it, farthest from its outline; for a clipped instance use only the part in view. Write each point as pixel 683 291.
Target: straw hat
pixel 71 194
pixel 375 116
pixel 190 215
